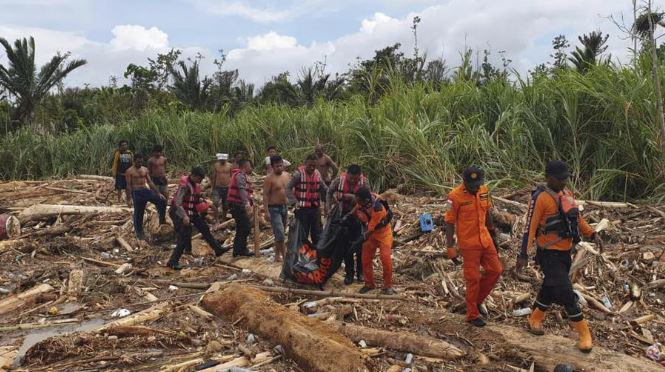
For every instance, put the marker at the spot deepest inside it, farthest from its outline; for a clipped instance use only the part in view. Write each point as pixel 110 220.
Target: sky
pixel 262 38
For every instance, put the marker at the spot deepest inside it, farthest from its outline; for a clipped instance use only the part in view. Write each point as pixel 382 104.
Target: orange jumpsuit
pixel 468 213
pixel 553 253
pixel 379 237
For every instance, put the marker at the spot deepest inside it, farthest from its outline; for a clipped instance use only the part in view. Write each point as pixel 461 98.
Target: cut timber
pixel 401 341
pixel 95 177
pixel 41 211
pixel 75 284
pixel 22 299
pixel 123 243
pixel 315 346
pixel 549 350
pixel 147 315
pixel 200 312
pixel 333 293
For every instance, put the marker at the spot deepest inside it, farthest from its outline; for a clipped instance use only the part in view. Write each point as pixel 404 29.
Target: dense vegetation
pixel 409 122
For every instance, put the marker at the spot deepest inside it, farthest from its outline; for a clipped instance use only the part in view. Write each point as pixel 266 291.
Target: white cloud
pixel 138 38
pixel 271 40
pixel 521 28
pixel 243 9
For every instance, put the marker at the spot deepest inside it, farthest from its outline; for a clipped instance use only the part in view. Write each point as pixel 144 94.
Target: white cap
pixel 222 156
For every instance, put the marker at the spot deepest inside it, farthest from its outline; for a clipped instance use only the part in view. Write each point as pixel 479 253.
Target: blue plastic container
pixel 426 223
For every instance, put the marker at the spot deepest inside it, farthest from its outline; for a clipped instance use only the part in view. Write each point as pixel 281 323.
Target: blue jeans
pixel 141 198
pixel 278 215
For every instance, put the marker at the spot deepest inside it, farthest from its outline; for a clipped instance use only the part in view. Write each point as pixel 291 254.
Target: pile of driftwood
pixel 89 295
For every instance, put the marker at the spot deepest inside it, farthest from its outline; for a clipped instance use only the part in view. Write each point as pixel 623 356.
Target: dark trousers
pixel 310 222
pixel 349 269
pixel 243 228
pixel 354 237
pixel 184 236
pixel 141 198
pixel 557 287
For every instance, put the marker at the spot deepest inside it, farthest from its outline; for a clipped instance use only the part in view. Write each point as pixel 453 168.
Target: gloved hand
pixel 452 253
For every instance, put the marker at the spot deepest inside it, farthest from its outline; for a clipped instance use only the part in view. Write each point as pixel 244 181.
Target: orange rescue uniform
pixel 544 207
pixel 468 213
pixel 378 237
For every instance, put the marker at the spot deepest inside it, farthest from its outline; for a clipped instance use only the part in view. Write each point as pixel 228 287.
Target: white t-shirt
pixel 286 162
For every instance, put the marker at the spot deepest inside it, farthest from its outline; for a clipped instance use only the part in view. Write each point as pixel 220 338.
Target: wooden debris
pixel 75 284
pixel 123 243
pixel 331 293
pixel 20 300
pixel 147 315
pixel 200 312
pixel 401 341
pixel 295 332
pixel 42 211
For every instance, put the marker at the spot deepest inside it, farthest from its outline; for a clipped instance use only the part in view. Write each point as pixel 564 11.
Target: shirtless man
pixel 143 190
pixel 221 176
pixel 324 164
pixel 273 151
pixel 157 170
pixel 275 201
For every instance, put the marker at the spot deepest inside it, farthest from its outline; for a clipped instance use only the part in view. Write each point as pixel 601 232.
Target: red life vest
pixel 234 190
pixel 307 190
pixel 192 195
pixel 345 188
pixel 345 185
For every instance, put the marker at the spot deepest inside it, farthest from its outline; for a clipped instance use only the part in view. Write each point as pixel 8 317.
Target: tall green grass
pixel 416 137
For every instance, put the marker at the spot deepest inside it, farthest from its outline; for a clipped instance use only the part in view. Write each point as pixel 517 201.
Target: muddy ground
pixel 62 328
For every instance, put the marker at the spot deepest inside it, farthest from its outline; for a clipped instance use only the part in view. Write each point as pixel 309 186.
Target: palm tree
pixel 594 46
pixel 20 77
pixel 191 91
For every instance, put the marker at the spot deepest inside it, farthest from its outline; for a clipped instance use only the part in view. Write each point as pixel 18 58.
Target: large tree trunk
pixel 314 345
pixel 41 211
pixel 401 341
pixel 549 350
pixel 22 299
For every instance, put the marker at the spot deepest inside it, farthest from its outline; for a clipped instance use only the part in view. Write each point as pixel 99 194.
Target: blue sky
pixel 263 37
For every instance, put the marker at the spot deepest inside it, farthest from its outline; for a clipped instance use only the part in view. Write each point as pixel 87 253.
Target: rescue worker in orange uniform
pixel 373 213
pixel 555 223
pixel 469 218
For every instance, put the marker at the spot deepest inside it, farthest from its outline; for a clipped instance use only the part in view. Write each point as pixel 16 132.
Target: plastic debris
pixel 120 313
pixel 522 312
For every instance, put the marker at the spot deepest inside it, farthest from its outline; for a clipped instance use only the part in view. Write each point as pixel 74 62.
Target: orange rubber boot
pixel 535 322
pixel 582 328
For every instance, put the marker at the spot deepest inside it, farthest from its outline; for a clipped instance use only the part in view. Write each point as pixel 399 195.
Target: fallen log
pixel 75 284
pixel 549 350
pixel 73 191
pixel 147 315
pixel 401 341
pixel 51 231
pixel 331 293
pixel 22 299
pixel 42 211
pixel 123 243
pixel 313 345
pixel 518 205
pixel 95 177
